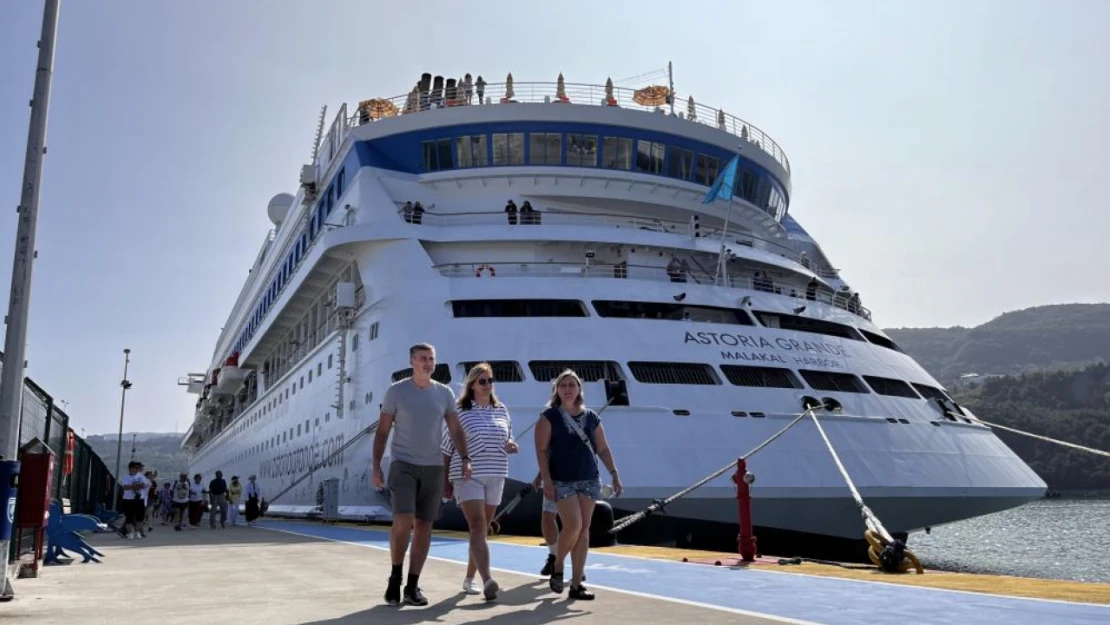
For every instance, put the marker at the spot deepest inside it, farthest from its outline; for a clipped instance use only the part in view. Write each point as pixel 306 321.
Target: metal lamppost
pixel 19 302
pixel 119 439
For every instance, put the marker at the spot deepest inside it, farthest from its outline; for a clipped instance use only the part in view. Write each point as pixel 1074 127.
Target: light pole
pixel 19 298
pixel 119 439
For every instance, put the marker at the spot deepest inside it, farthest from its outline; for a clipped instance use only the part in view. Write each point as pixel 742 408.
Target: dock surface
pixel 308 573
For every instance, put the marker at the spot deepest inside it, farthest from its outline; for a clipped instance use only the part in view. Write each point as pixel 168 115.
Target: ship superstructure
pixel 401 232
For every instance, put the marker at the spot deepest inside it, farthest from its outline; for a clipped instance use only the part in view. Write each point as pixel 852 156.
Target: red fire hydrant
pixel 746 539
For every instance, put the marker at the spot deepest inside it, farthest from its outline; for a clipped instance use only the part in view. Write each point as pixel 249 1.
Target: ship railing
pixel 548 217
pixel 571 93
pixel 676 276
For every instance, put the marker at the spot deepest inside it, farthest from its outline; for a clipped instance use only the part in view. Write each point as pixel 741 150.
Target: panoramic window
pixel 508 148
pixel 806 324
pixel 588 370
pixel 437 155
pixel 706 171
pixel 503 370
pixel 673 373
pixel 748 185
pixel 472 151
pixel 680 163
pixel 890 386
pixel 762 377
pixel 617 153
pixel 832 381
pixel 441 374
pixel 879 339
pixel 545 148
pixel 671 311
pixel 582 150
pixel 518 308
pixel 649 156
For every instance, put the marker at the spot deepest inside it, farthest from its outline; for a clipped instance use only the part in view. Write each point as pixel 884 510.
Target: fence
pixel 90 482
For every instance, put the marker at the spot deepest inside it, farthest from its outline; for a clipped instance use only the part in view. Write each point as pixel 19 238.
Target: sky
pixel 947 155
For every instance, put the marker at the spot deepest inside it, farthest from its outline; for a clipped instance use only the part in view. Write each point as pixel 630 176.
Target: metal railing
pixel 794 291
pixel 572 93
pixel 549 217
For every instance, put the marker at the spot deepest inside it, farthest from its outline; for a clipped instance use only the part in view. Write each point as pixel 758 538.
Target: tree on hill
pixel 1072 406
pixel 158 451
pixel 1064 336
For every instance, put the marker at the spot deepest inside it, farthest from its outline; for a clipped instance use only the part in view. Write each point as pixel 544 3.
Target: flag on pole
pixel 725 182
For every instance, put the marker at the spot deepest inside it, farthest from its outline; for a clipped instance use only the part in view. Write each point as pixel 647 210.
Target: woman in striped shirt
pixel 489 440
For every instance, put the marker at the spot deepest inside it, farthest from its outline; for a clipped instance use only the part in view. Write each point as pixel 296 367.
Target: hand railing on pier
pixel 571 93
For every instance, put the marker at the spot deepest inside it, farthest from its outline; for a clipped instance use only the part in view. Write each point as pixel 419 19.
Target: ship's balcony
pixel 623 271
pixel 573 94
pixel 739 239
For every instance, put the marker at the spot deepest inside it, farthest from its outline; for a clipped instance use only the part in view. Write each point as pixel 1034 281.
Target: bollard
pixel 746 539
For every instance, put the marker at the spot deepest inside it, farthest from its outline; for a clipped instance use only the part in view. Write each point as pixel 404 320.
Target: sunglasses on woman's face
pixel 484 381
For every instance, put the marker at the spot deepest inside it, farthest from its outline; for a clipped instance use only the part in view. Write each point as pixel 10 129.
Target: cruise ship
pixel 553 225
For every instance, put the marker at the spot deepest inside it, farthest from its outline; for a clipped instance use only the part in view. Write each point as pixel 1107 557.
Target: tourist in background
pixel 135 486
pixel 234 496
pixel 488 429
pixel 569 440
pixel 217 500
pixel 196 501
pixel 253 493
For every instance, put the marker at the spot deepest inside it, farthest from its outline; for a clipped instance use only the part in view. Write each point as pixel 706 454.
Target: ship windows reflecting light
pixel 649 156
pixel 890 386
pixel 833 381
pixel 673 312
pixel 618 153
pixel 674 373
pixel 761 377
pixel 508 148
pixel 582 150
pixel 441 374
pixel 518 308
pixel 503 370
pixel 588 370
pixel 545 148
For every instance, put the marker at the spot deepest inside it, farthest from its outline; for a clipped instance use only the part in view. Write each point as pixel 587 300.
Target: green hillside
pixel 1064 336
pixel 1072 406
pixel 159 451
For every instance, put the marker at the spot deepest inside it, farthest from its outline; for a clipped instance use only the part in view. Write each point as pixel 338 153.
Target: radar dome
pixel 279 207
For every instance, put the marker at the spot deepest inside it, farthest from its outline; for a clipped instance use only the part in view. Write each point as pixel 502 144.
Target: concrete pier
pixel 309 573
pixel 254 575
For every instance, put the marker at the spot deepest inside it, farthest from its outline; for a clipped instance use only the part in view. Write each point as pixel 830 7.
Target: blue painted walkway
pixel 767 593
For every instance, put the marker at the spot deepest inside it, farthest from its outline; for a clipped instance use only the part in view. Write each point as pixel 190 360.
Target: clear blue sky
pixel 946 154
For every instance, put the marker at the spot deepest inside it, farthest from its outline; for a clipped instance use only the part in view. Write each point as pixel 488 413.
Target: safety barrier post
pixel 746 539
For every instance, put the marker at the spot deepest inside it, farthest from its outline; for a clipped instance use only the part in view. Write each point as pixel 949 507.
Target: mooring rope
pixel 661 504
pixel 1044 438
pixel 885 552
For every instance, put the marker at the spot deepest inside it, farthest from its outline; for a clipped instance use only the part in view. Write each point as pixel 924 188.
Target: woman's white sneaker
pixel 470 586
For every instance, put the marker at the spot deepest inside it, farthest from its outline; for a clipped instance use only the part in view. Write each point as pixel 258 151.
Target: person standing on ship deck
pixel 569 440
pixel 489 434
pixel 416 406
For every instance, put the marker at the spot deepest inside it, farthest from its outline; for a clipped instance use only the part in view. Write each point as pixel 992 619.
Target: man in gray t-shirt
pixel 415 409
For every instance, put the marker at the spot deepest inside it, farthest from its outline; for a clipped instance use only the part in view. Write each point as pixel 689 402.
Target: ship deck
pixel 289 572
